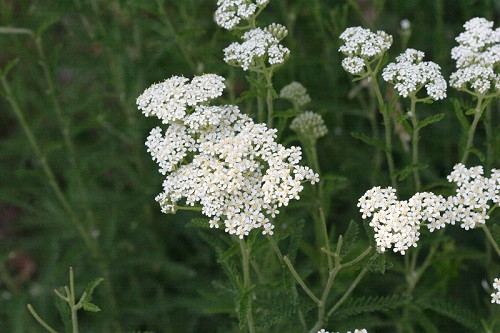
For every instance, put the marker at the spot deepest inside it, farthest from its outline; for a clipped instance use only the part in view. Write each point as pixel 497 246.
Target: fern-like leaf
pixel 359 305
pixel 452 310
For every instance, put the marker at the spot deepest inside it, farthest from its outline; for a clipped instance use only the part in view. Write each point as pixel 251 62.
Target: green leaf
pixel 470 112
pixel 460 115
pixel 368 140
pixel 64 312
pixel 8 67
pixel 429 120
pixel 495 232
pixel 452 310
pixel 378 263
pixel 295 239
pixel 478 153
pixel 90 307
pixel 244 309
pixel 355 306
pixel 90 290
pixel 350 237
pixel 199 222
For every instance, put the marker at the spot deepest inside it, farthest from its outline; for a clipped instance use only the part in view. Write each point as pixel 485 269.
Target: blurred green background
pixel 76 81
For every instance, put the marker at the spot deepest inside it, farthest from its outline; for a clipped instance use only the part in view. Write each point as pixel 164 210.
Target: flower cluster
pixel 409 74
pixel 355 331
pixel 362 45
pixel 258 46
pixel 495 297
pixel 229 13
pixel 397 223
pixel 477 56
pixel 309 124
pixel 296 93
pixel 219 158
pixel 168 100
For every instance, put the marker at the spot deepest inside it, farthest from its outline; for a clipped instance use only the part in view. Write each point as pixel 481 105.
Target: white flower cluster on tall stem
pixel 259 45
pixel 397 223
pixel 230 13
pixel 362 45
pixel 409 74
pixel 218 158
pixel 296 93
pixel 478 57
pixel 495 297
pixel 309 124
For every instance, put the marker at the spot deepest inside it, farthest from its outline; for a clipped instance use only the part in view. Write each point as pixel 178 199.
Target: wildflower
pixel 168 100
pixel 218 158
pixel 258 46
pixel 471 202
pixel 362 45
pixel 495 297
pixel 229 13
pixel 309 125
pixel 409 74
pixel 477 56
pixel 397 223
pixel 296 93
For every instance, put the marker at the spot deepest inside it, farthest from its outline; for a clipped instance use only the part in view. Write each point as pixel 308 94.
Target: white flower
pixel 258 44
pixel 409 74
pixel 477 56
pixel 310 125
pixel 168 100
pixel 361 44
pixel 218 158
pixel 229 13
pixel 296 93
pixel 397 223
pixel 495 297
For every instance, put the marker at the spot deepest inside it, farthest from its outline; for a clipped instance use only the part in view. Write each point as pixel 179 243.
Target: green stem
pixel 387 124
pixel 71 296
pixel 472 129
pixel 294 289
pixel 353 285
pixel 269 100
pixel 490 238
pixel 415 139
pixel 247 282
pixel 82 231
pixel 300 281
pixel 40 320
pixel 45 166
pixel 64 125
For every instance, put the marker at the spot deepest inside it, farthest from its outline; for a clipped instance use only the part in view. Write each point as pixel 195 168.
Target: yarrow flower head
pixel 258 46
pixel 218 158
pixel 310 125
pixel 361 44
pixel 296 93
pixel 409 74
pixel 230 13
pixel 495 297
pixel 397 223
pixel 478 57
pixel 169 99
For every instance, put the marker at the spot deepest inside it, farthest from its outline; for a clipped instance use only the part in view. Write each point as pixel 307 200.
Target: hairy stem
pixel 247 282
pixel 472 129
pixel 415 139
